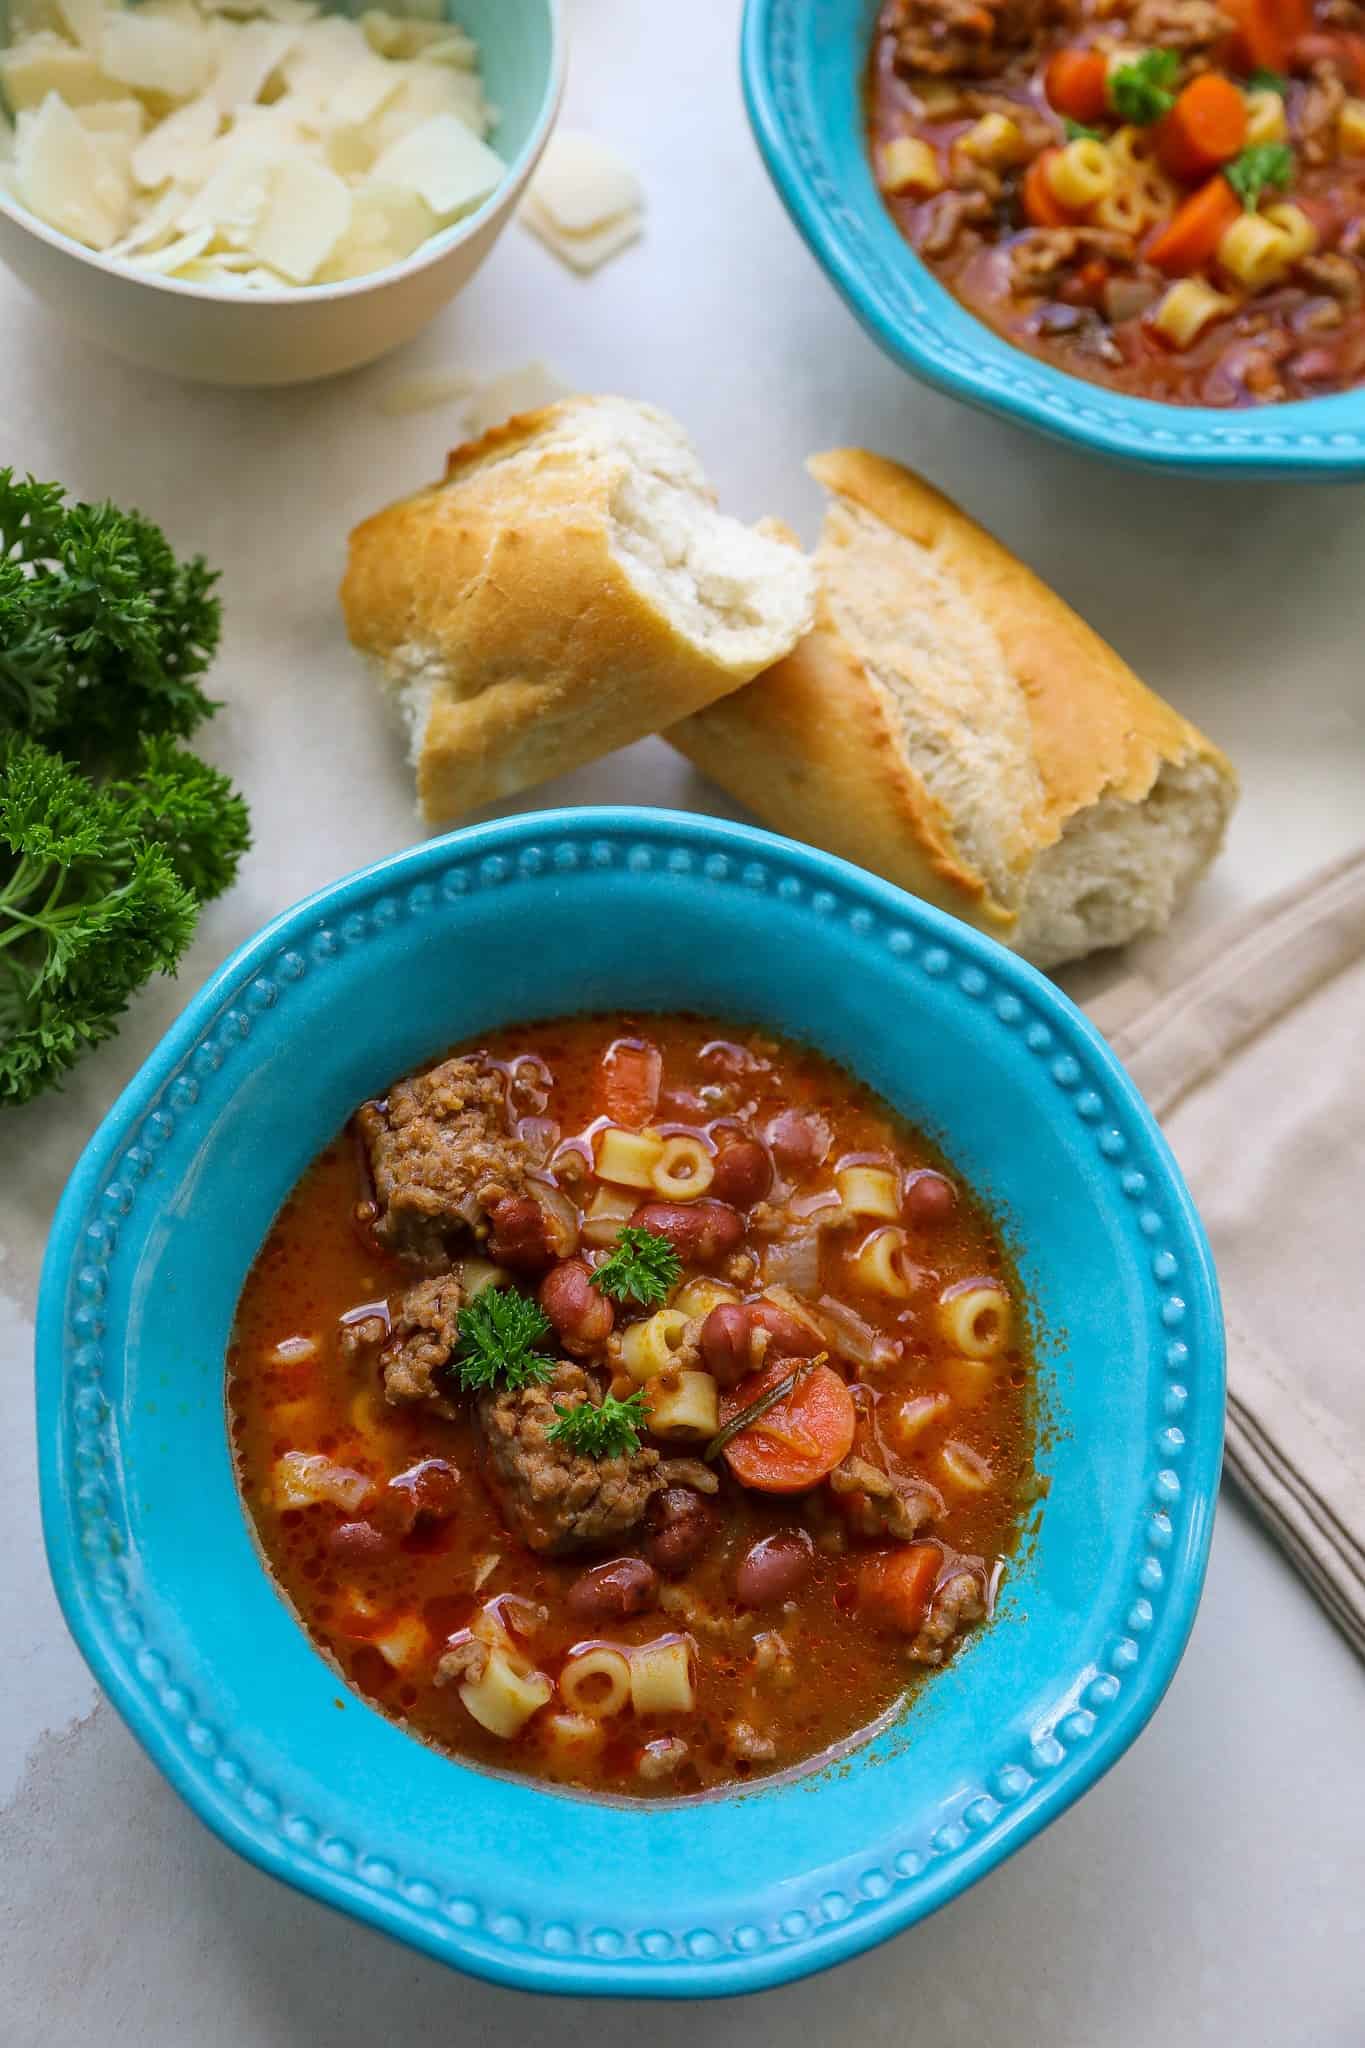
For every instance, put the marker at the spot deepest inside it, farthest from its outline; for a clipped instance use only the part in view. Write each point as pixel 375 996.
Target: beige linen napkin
pixel 1250 1048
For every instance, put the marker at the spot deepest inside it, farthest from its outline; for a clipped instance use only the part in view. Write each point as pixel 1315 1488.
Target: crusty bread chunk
pixel 952 725
pixel 568 588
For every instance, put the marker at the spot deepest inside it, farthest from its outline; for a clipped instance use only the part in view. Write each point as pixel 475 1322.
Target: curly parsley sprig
pixel 1259 165
pixel 644 1267
pixel 99 890
pixel 111 834
pixel 104 633
pixel 1140 92
pixel 499 1330
pixel 611 1429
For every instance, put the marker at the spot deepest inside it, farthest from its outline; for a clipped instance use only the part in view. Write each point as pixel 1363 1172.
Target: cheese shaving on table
pixel 247 143
pixel 483 403
pixel 584 202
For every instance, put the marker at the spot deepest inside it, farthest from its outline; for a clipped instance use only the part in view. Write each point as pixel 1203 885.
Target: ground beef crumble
pixel 441 1157
pixel 551 1497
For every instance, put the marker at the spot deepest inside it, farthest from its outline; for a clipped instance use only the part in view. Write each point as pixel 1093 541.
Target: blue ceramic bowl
pixel 163 1587
pixel 803 63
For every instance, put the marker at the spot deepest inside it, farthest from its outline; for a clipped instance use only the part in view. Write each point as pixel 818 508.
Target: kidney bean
pixel 741 1173
pixel 723 1058
pixel 799 1142
pixel 359 1543
pixel 929 1199
pixel 697 1231
pixel 611 1592
pixel 520 1236
pixel 775 1568
pixel 580 1312
pixel 789 1336
pixel 427 1492
pixel 679 1525
pixel 724 1341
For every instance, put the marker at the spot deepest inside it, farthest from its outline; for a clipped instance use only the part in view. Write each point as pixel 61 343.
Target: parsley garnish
pixel 1076 131
pixel 643 1268
pixel 609 1430
pixel 1141 91
pixel 498 1331
pixel 1260 164
pixel 1268 81
pixel 104 633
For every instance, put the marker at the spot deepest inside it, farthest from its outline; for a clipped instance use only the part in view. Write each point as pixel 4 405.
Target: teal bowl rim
pixel 516 172
pixel 1099 1713
pixel 907 311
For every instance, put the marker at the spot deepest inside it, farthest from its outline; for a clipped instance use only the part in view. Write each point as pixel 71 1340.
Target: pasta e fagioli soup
pixel 634 1402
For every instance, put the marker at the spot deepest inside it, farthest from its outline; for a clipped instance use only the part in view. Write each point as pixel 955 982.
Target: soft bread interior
pixel 961 718
pixel 1120 868
pixel 737 596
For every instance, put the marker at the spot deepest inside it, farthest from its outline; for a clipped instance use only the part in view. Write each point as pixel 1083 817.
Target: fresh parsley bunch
pixel 111 835
pixel 103 633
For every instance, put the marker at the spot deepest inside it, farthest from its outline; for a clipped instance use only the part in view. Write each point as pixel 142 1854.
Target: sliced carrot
pixel 896 1586
pixel 1041 204
pixel 800 1438
pixel 1077 84
pixel 1205 128
pixel 1190 239
pixel 1262 38
pixel 629 1085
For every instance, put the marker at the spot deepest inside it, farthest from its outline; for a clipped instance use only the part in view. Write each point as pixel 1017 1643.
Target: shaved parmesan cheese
pixel 293 12
pixel 66 178
pixel 308 213
pixel 84 19
pixel 174 147
pixel 362 92
pixel 584 202
pixel 582 182
pixel 251 144
pixel 113 117
pixel 524 389
pixel 170 257
pixel 386 225
pixel 248 56
pixel 586 252
pixel 43 63
pixel 424 392
pixel 234 198
pixel 450 168
pixel 158 224
pixel 155 54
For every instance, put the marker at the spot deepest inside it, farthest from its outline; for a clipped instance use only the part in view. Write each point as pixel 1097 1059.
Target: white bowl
pixel 291 335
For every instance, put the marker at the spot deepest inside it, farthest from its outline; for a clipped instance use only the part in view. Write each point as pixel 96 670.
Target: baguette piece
pixel 569 587
pixel 951 724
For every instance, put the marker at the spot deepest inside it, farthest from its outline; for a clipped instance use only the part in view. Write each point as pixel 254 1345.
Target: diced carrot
pixel 1041 204
pixel 1205 128
pixel 630 1076
pixel 895 1587
pixel 1076 83
pixel 1190 239
pixel 799 1439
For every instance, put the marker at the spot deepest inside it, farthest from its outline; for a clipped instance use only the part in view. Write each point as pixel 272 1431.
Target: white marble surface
pixel 1212 1889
